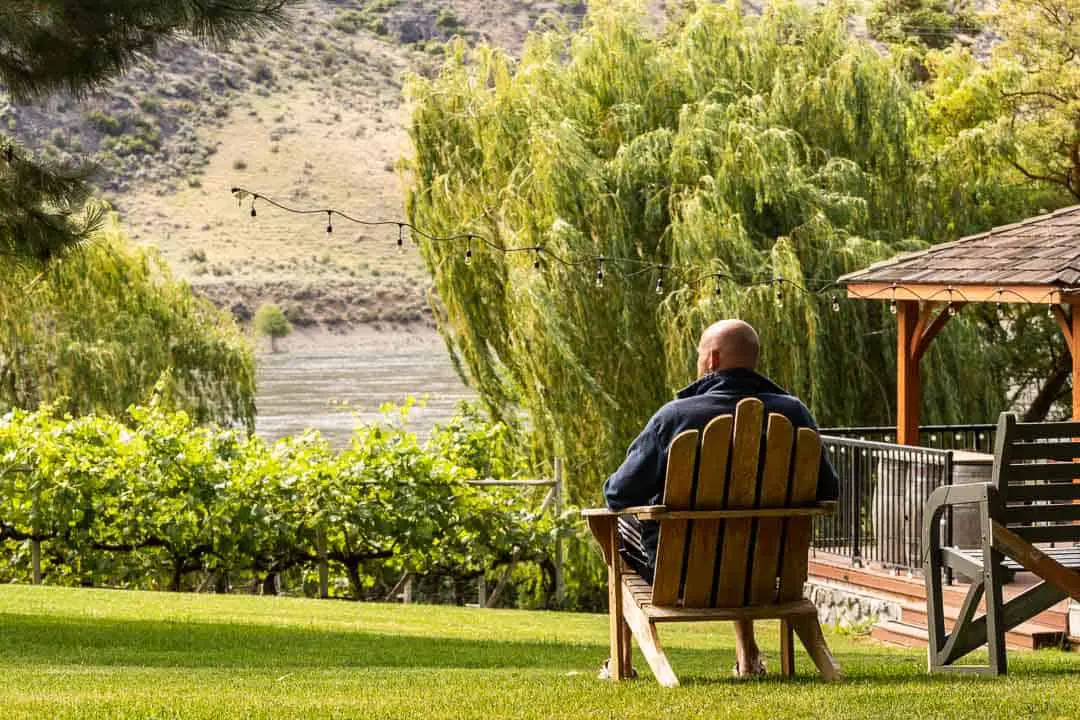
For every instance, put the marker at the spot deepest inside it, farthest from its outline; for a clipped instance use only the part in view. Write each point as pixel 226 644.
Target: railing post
pixel 560 585
pixel 324 564
pixel 856 530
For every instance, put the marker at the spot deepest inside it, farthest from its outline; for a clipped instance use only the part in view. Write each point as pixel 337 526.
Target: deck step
pixel 1025 636
pixel 902 634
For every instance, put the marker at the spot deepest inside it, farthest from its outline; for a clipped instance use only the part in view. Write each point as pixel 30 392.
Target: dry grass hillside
pixel 310 115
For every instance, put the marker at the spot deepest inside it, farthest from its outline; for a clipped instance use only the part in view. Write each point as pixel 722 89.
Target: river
pixel 330 383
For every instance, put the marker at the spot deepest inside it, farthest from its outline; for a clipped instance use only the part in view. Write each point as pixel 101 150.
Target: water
pixel 333 389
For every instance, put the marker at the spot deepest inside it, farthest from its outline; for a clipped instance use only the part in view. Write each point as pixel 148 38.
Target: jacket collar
pixel 737 381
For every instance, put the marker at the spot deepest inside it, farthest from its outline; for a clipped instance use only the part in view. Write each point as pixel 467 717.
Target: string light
pixel 824 287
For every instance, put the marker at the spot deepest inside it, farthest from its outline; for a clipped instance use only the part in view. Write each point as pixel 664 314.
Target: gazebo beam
pixel 1074 348
pixel 1036 294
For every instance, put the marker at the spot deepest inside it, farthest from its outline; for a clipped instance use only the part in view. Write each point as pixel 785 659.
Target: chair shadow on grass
pixel 47 640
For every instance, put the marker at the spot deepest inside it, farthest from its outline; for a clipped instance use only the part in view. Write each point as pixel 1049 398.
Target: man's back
pixel 640 479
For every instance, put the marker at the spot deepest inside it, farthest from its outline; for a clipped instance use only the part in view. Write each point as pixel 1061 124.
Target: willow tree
pixel 747 148
pixel 99 329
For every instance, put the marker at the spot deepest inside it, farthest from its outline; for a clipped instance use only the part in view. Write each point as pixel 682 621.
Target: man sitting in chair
pixel 727 358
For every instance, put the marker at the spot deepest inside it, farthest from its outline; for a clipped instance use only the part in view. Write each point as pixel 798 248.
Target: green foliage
pixel 778 146
pixel 271 321
pixel 153 500
pixel 932 24
pixel 98 330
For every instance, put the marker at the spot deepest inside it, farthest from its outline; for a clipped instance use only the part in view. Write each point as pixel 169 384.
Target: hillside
pixel 310 115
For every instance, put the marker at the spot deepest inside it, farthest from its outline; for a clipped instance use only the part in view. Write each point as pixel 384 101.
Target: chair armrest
pixel 637 511
pixel 945 497
pixel 662 512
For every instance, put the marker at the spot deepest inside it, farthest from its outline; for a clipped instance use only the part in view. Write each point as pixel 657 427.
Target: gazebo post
pixel 1074 348
pixel 908 385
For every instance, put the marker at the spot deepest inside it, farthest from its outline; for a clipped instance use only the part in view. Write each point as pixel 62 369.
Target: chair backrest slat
pixel 773 492
pixel 705 535
pixel 797 533
pixel 1036 466
pixel 671 547
pixel 741 493
pixel 714 563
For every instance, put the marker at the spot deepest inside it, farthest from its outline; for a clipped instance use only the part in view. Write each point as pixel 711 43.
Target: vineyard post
pixel 35 542
pixel 560 585
pixel 324 564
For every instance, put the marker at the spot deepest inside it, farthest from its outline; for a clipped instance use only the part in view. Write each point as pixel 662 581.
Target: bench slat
pixel 1018 515
pixel 1042 491
pixel 1046 451
pixel 1041 471
pixel 1047 533
pixel 1046 431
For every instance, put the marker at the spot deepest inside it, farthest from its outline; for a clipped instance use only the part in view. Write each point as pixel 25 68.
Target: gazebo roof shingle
pixel 1043 250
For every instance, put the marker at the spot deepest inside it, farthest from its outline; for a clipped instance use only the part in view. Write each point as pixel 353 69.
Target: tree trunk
pixel 1050 391
pixel 352 569
pixel 273 343
pixel 271 584
pixel 177 575
pixel 221 583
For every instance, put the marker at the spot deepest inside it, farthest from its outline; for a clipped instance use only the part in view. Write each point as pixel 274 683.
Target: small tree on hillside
pixel 271 321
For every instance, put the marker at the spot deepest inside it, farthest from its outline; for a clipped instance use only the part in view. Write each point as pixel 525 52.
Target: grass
pixel 115 654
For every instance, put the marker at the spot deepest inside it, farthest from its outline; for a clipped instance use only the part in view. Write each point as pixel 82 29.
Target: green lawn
pixel 102 653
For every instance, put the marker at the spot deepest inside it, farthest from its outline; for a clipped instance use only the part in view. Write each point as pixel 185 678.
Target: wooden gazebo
pixel 1036 261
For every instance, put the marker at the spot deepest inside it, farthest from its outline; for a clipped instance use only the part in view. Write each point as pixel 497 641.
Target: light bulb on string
pixel 468 253
pixel 952 309
pixel 253 198
pixel 835 304
pixel 660 282
pixel 600 273
pixel 779 296
pixel 719 283
pixel 892 306
pixel 401 238
pixel 329 221
pixel 536 259
pixel 1050 310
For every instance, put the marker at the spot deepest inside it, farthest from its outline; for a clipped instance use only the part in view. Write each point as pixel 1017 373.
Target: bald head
pixel 727 345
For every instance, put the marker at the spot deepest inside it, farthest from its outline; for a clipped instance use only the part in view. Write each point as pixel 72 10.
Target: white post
pixel 481 599
pixel 560 585
pixel 406 596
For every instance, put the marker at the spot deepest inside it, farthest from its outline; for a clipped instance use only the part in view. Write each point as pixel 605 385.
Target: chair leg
pixel 627 651
pixel 809 631
pixel 644 631
pixel 935 612
pixel 787 649
pixel 619 651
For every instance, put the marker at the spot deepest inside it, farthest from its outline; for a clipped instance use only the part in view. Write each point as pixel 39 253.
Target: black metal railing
pixel 979 438
pixel 883 490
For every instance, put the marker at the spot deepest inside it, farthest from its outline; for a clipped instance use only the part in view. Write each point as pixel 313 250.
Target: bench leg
pixel 644 631
pixel 809 631
pixel 994 580
pixel 787 649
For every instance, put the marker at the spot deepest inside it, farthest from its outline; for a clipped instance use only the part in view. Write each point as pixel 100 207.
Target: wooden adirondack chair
pixel 733 541
pixel 1031 499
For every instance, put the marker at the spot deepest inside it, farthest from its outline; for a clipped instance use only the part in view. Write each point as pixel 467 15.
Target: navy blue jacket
pixel 640 479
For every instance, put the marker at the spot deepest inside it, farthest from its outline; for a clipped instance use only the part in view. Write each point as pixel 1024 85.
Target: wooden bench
pixel 1030 502
pixel 733 543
